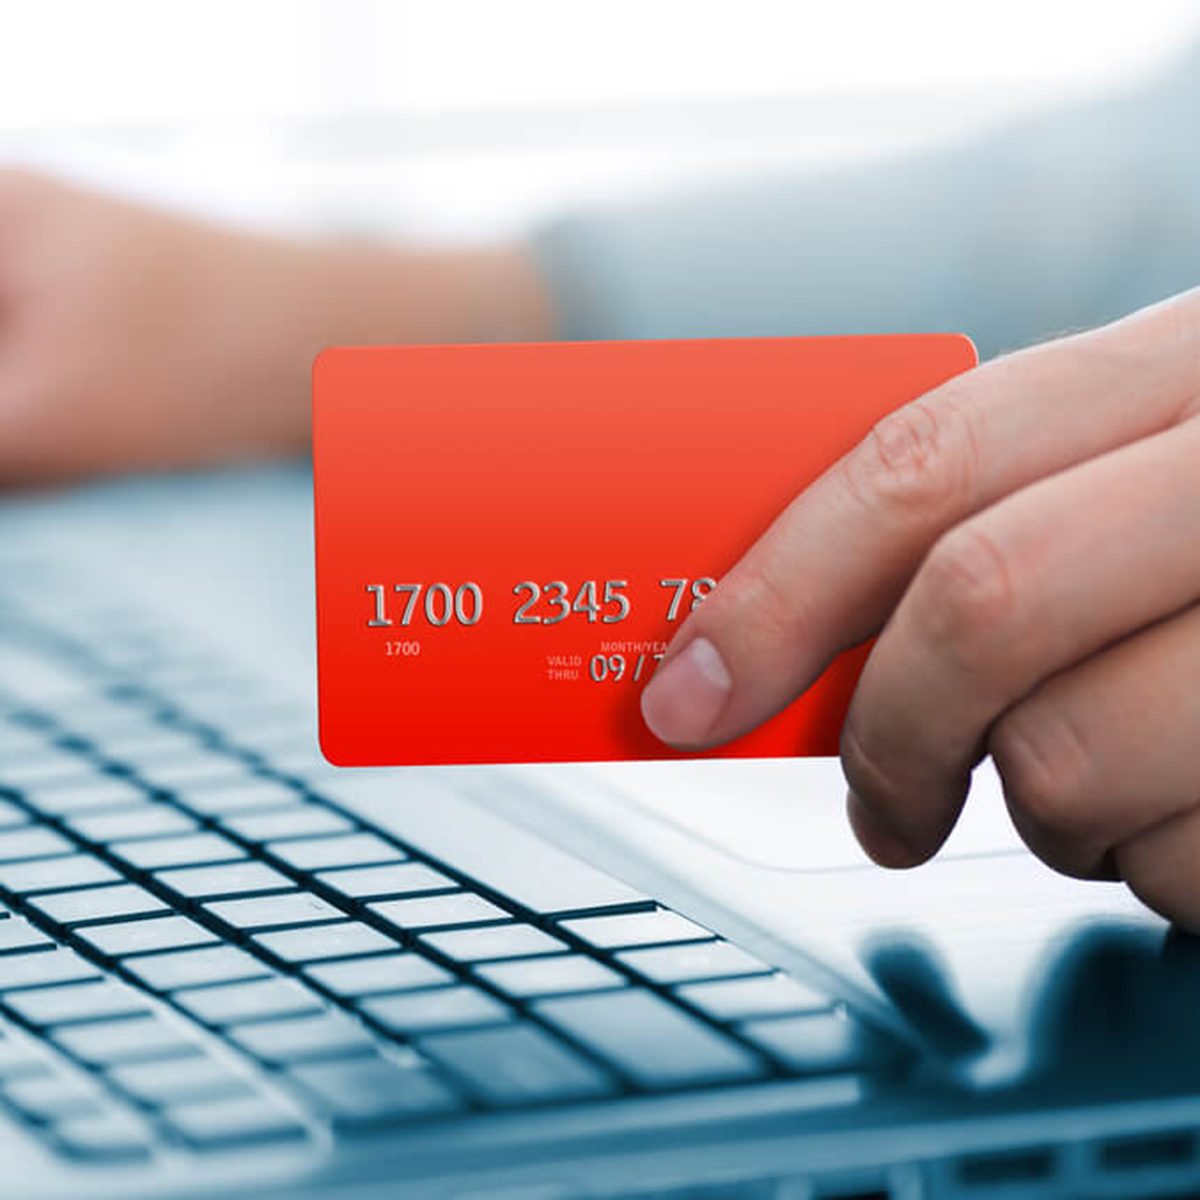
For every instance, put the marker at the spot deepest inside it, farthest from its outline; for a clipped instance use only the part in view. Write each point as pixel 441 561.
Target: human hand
pixel 132 339
pixel 1025 540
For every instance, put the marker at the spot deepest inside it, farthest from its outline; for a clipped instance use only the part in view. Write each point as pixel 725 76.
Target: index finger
pixel 834 563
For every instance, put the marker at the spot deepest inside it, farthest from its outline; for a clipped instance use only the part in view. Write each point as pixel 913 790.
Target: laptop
pixel 227 968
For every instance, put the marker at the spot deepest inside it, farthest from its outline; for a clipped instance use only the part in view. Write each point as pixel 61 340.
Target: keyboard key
pixel 210 1124
pixel 239 796
pixel 299 760
pixel 132 1039
pixel 19 937
pixel 52 1096
pixel 191 849
pixel 231 879
pixel 94 793
pixel 91 905
pixel 636 929
pixel 326 1035
pixel 652 1041
pixel 303 820
pixel 32 841
pixel 694 960
pixel 75 1002
pixel 548 976
pixel 229 1003
pixel 269 721
pixel 128 654
pixel 55 874
pixel 149 745
pixel 145 821
pixel 140 937
pixel 374 883
pixel 351 849
pixel 345 940
pixel 237 707
pixel 411 1012
pixel 107 1136
pixel 192 968
pixel 517 1064
pixel 179 1079
pixel 372 1090
pixel 495 941
pixel 54 765
pixel 10 815
pixel 25 734
pixel 272 912
pixel 764 995
pixel 822 1042
pixel 37 678
pixel 196 768
pixel 40 969
pixel 381 973
pixel 18 1059
pixel 19 741
pixel 427 912
pixel 104 719
pixel 181 674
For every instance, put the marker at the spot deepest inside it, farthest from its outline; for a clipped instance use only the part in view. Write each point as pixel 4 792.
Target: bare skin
pixel 1024 540
pixel 130 338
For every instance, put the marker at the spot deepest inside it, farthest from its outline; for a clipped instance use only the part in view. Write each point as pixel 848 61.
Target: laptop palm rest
pixel 788 814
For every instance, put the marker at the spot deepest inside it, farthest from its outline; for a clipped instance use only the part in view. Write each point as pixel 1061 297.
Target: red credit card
pixel 507 536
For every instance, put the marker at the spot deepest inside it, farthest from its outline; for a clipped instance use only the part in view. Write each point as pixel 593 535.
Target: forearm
pixel 301 297
pixel 486 294
pixel 138 339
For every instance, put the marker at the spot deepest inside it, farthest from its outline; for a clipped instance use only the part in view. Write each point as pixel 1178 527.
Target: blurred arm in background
pixel 131 339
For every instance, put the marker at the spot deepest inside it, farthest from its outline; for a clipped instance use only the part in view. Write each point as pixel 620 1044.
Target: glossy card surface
pixel 507 536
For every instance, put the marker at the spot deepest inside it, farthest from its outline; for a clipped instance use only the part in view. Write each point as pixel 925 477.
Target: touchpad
pixel 788 814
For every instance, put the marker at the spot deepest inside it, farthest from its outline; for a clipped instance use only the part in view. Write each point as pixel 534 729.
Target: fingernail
pixel 685 697
pixel 881 844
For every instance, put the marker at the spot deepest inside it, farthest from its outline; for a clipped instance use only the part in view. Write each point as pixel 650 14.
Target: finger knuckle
pixel 968 594
pixel 1172 324
pixel 918 461
pixel 1156 349
pixel 762 601
pixel 865 773
pixel 1046 768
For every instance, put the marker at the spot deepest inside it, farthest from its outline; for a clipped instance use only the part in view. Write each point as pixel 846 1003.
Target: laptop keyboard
pixel 200 950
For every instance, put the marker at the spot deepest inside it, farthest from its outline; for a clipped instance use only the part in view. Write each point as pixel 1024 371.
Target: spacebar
pixel 649 1039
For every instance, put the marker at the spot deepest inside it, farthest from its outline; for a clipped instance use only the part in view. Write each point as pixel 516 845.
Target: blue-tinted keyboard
pixel 199 949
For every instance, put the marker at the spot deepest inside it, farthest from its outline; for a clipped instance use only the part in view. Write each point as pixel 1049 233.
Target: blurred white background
pixel 460 118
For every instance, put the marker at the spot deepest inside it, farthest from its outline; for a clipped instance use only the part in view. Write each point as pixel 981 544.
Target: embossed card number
pixel 508 536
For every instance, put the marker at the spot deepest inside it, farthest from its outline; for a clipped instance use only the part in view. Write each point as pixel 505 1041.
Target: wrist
pixel 487 294
pixel 321 295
